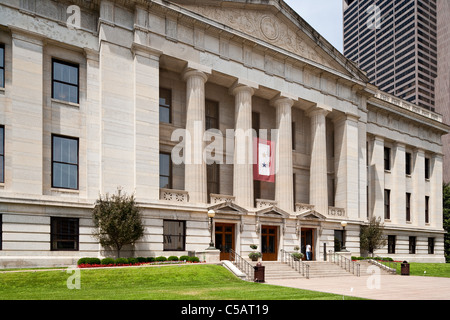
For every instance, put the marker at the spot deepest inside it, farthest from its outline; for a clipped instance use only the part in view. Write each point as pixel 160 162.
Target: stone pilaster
pixel 418 195
pixel 243 146
pixel 376 174
pixel 436 191
pixel 195 165
pixel 318 193
pixel 284 190
pixel 398 185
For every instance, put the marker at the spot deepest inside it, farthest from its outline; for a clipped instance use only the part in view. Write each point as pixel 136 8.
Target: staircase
pixel 275 270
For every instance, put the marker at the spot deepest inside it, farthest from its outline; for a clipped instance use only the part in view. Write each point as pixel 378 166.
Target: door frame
pixel 313 243
pixel 270 256
pixel 225 255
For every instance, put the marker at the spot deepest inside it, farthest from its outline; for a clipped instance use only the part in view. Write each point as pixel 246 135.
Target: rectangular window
pixel 387 159
pixel 430 245
pixel 293 136
pixel 338 240
pixel 408 163
pixel 165 171
pixel 427 209
pixel 387 204
pixel 65 81
pixel 65 234
pixel 427 168
pixel 211 115
pixel 391 244
pixel 64 162
pixel 213 179
pixel 255 123
pixel 408 207
pixel 174 234
pixel 165 105
pixel 412 245
pixel 2 65
pixel 2 154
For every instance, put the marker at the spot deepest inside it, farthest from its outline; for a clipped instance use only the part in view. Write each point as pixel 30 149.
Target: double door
pixel 269 243
pixel 224 235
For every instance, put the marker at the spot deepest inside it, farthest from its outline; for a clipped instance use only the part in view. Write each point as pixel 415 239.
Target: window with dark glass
pixel 165 105
pixel 430 245
pixel 65 81
pixel 2 65
pixel 64 234
pixel 293 136
pixel 211 115
pixel 64 162
pixel 213 179
pixel 2 154
pixel 408 207
pixel 391 244
pixel 412 245
pixel 408 163
pixel 174 234
pixel 427 209
pixel 387 204
pixel 165 171
pixel 387 159
pixel 338 240
pixel 427 168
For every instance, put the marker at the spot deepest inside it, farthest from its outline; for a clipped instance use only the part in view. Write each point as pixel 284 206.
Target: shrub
pixel 194 259
pixel 184 258
pixel 172 258
pixel 132 261
pixel 160 259
pixel 107 261
pixel 141 259
pixel 151 259
pixel 120 261
pixel 88 261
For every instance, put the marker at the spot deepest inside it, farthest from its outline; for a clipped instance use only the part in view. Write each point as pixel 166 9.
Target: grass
pixel 428 269
pixel 197 282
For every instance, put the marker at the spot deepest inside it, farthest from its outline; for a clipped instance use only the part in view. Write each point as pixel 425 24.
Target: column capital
pixel 316 110
pixel 189 73
pixel 238 88
pixel 282 101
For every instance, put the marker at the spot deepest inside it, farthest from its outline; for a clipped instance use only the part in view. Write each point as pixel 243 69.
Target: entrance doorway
pixel 269 243
pixel 225 239
pixel 307 237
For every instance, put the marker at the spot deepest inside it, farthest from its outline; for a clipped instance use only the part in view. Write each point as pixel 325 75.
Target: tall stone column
pixel 195 166
pixel 318 186
pixel 436 196
pixel 284 189
pixel 243 146
pixel 376 173
pixel 418 196
pixel 398 185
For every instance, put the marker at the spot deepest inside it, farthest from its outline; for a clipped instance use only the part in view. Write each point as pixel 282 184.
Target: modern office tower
pixel 395 42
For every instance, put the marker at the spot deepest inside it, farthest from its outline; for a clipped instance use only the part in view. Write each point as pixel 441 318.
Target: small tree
pixel 117 221
pixel 371 236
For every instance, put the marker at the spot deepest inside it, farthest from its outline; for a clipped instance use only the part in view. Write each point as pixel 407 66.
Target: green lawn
pixel 428 269
pixel 192 282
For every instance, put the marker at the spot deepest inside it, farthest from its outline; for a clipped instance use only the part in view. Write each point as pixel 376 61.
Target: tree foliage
pixel 371 236
pixel 117 221
pixel 446 206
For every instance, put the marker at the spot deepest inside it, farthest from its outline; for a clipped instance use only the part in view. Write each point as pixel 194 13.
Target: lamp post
pixel 344 235
pixel 211 215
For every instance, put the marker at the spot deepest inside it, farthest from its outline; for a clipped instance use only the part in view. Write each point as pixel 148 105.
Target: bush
pixel 151 259
pixel 184 258
pixel 141 259
pixel 88 261
pixel 160 259
pixel 172 258
pixel 194 259
pixel 120 261
pixel 132 261
pixel 107 261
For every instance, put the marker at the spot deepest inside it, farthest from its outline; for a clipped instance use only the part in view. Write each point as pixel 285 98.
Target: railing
pixel 389 266
pixel 345 263
pixel 296 264
pixel 242 265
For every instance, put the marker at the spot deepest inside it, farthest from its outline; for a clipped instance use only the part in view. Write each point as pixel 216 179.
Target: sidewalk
pixel 383 287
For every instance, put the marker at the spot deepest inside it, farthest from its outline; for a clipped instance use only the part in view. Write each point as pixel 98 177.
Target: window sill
pixel 2 91
pixel 62 103
pixel 64 191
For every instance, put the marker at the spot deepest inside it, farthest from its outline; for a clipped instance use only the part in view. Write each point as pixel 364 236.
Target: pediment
pixel 228 207
pixel 272 211
pixel 311 215
pixel 274 23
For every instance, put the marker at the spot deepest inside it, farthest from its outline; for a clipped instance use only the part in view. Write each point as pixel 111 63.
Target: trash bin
pixel 405 268
pixel 259 272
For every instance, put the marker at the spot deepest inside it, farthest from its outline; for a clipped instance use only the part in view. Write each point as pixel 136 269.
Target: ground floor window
pixel 412 245
pixel 174 235
pixel 430 245
pixel 64 234
pixel 391 244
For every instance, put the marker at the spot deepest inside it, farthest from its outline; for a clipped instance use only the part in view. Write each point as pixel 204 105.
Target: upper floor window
pixel 2 65
pixel 65 81
pixel 408 163
pixel 387 159
pixel 2 154
pixel 387 204
pixel 211 115
pixel 165 171
pixel 427 168
pixel 165 105
pixel 64 162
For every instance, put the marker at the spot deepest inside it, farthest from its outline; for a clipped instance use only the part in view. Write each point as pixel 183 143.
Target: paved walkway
pixel 380 287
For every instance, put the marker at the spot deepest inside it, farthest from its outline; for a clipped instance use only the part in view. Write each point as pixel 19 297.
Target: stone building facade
pixel 95 91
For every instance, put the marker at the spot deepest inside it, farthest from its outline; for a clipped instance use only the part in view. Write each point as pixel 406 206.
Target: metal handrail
pixel 296 264
pixel 345 263
pixel 389 266
pixel 242 265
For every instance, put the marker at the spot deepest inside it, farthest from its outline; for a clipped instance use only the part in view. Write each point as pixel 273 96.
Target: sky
pixel 325 16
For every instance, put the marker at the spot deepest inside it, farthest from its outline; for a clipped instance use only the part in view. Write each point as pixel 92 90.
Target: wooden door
pixel 307 237
pixel 225 239
pixel 269 243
